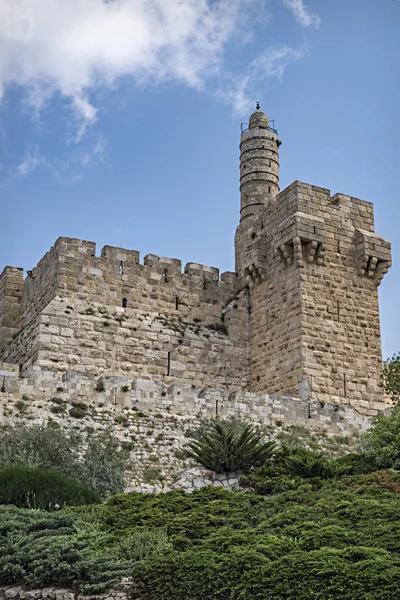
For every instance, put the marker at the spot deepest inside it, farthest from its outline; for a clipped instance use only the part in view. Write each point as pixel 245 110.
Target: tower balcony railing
pixel 245 126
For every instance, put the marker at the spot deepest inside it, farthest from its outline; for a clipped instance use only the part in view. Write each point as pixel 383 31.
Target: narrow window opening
pixel 338 247
pixel 124 302
pixel 204 284
pixel 344 385
pixel 315 230
pixel 269 163
pixel 165 275
pixel 269 189
pixel 169 363
pixel 338 311
pixel 121 268
pixel 177 303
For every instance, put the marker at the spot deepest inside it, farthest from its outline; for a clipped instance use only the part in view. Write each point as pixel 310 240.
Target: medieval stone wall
pixel 111 314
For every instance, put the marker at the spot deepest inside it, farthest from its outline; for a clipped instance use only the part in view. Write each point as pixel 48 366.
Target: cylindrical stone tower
pixel 259 165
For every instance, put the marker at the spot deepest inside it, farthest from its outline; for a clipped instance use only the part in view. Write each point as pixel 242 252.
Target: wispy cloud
pixel 72 47
pixel 272 63
pixel 77 48
pixel 30 162
pixel 302 15
pixel 64 171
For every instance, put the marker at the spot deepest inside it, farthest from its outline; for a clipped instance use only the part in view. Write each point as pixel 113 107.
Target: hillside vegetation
pixel 304 527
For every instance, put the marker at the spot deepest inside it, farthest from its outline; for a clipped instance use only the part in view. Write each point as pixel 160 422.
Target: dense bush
pixel 382 441
pixel 96 459
pixel 32 487
pixel 337 539
pixel 38 549
pixel 390 377
pixel 230 445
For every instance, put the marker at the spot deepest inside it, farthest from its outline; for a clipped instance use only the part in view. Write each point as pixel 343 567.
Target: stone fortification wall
pixel 72 269
pixel 93 337
pixel 155 418
pixel 112 314
pixel 313 265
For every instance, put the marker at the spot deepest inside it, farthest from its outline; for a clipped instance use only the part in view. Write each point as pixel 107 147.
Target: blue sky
pixel 120 121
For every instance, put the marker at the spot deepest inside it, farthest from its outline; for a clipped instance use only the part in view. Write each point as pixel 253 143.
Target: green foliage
pixel 104 463
pixel 229 445
pixel 390 377
pixel 78 410
pixel 339 539
pixel 97 459
pixel 39 549
pixel 355 464
pixel 152 475
pixel 382 441
pixel 305 463
pixel 141 545
pixel 32 487
pixel 45 446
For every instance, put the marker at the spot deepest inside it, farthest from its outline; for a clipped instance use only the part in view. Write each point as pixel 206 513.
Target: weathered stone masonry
pixel 299 316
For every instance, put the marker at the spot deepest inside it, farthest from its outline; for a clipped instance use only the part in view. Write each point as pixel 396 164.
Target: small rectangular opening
pixel 176 302
pixel 169 363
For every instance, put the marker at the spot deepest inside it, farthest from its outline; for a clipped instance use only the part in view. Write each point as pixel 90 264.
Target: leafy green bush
pixel 390 377
pixel 339 539
pixel 141 545
pixel 382 441
pixel 32 487
pixel 39 549
pixel 230 445
pixel 78 410
pixel 306 463
pixel 95 459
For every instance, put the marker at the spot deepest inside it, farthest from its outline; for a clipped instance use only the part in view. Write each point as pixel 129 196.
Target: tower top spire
pixel 258 119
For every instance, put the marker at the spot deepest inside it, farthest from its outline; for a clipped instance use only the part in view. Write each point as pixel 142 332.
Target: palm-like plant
pixel 225 446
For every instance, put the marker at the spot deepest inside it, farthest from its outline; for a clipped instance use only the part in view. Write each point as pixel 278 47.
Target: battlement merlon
pixel 11 290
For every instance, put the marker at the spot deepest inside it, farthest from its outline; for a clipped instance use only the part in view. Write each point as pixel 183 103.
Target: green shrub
pixel 38 549
pixel 78 410
pixel 306 463
pixel 96 459
pixel 382 441
pixel 230 445
pixel 390 377
pixel 32 487
pixel 339 539
pixel 141 545
pixel 152 475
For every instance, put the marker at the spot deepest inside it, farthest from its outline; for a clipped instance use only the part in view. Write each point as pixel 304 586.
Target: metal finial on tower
pixel 257 105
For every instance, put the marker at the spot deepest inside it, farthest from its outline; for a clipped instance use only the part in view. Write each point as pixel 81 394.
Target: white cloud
pixel 271 63
pixel 30 162
pixel 302 15
pixel 64 171
pixel 72 46
pixel 96 153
